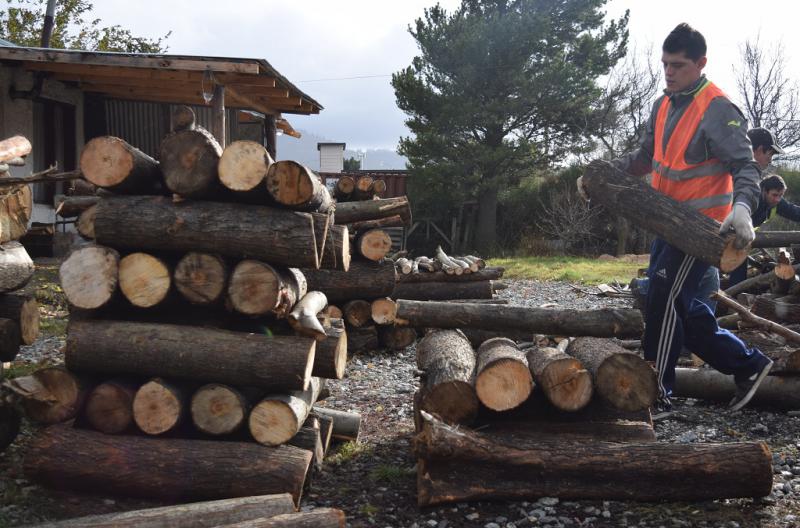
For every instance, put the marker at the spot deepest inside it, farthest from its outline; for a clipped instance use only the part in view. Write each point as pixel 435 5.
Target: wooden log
pixel 562 378
pixel 782 392
pixel 448 386
pixel 243 165
pixel 435 291
pixel 111 163
pixel 485 274
pixel 10 339
pixel 389 221
pixel 349 212
pixel 14 147
pixel 23 309
pixel 192 353
pixel 363 189
pixel 296 186
pixel 50 395
pixel 362 339
pixel 373 244
pixel 396 337
pixel 218 409
pixel 383 311
pixel 159 406
pixel 357 313
pixel 189 161
pixel 144 279
pixel 16 208
pixel 332 311
pixel 344 188
pixel 72 206
pixel 183 118
pixel 754 283
pixel 208 514
pixel 503 379
pixel 85 223
pixel 309 438
pixel 364 280
pixel 90 276
pixel 776 310
pixel 346 425
pixel 477 336
pixel 330 358
pixel 404 266
pixel 235 230
pixel 607 322
pixel 256 288
pixel 622 378
pixel 201 278
pixel 378 187
pixel 109 406
pixel 278 417
pixel 336 254
pixel 651 471
pixel 754 320
pixel 16 266
pixel 675 222
pixel 325 428
pixel 85 460
pixel 316 518
pixel 303 318
pixel 772 239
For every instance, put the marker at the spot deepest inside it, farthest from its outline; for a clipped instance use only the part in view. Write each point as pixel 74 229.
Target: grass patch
pixel 391 474
pixel 17 370
pixel 349 451
pixel 368 509
pixel 570 269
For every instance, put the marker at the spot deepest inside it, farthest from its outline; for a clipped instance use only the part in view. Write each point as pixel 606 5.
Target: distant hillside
pixel 304 150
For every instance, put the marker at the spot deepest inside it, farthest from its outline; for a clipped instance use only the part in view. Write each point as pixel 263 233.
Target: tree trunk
pixel 235 230
pixel 256 288
pixel 436 291
pixel 396 337
pixel 675 222
pixel 16 207
pixel 72 206
pixel 349 212
pixel 209 514
pixel 486 231
pixel 189 161
pixel 218 409
pixel 109 406
pixel 85 223
pixel 187 352
pixel 111 163
pixel 295 186
pixel 346 425
pixel 389 221
pixel 144 279
pixel 330 359
pixel 16 267
pixel 317 518
pixel 608 322
pixel 448 386
pixel 503 380
pixel 50 395
pixel 651 471
pixel 23 309
pixel 772 239
pixel 622 235
pixel 10 339
pixel 357 313
pixel 486 274
pixel 159 406
pixel 383 311
pixel 708 384
pixel 622 378
pixel 373 244
pixel 562 378
pixel 173 469
pixel 278 417
pixel 89 276
pixel 201 278
pixel 362 339
pixel 364 280
pixel 244 165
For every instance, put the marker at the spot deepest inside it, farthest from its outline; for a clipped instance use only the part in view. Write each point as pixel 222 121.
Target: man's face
pixel 680 72
pixel 763 156
pixel 773 197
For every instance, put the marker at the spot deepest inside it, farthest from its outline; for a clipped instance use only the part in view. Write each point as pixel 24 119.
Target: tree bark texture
pixel 772 239
pixel 759 282
pixel 72 206
pixel 317 518
pixel 336 251
pixel 364 280
pixel 776 310
pixel 396 337
pixel 437 291
pixel 243 165
pixel 362 339
pixel 357 313
pixel 349 212
pixel 189 161
pixel 562 378
pixel 23 309
pixel 16 266
pixel 503 379
pixel 346 425
pixel 330 359
pixel 293 185
pixel 708 384
pixel 111 163
pixel 201 278
pixel 256 288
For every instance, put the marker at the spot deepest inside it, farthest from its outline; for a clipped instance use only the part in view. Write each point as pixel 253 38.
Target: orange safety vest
pixel 706 186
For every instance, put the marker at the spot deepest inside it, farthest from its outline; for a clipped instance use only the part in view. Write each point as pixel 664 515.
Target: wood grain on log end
pixel 157 407
pixel 201 277
pixel 731 257
pixel 218 409
pixel 89 276
pixel 243 165
pixel 106 161
pixel 632 386
pixel 144 279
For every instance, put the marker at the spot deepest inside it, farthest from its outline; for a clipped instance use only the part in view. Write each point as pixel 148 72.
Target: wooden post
pixel 271 133
pixel 219 114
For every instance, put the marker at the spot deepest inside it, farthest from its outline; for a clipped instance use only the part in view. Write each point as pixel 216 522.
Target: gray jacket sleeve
pixel 725 130
pixel 640 161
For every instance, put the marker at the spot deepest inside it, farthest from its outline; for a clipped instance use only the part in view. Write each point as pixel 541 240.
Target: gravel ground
pixel 374 481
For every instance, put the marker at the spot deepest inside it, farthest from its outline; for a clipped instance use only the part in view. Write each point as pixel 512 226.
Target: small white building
pixel 331 157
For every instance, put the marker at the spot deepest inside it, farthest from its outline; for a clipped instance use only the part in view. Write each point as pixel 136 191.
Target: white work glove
pixel 581 189
pixel 739 220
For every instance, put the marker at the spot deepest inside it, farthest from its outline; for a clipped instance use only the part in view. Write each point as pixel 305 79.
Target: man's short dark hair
pixel 773 182
pixel 684 38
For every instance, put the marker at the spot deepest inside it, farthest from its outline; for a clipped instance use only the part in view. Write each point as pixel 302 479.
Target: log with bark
pixel 364 280
pixel 296 186
pixel 435 291
pixel 201 278
pixel 675 222
pixel 189 162
pixel 159 406
pixel 448 384
pixel 278 417
pixel 362 339
pixel 72 206
pixel 10 339
pixel 477 336
pixel 357 313
pixel 191 353
pixel 608 322
pixel 236 230
pixel 303 318
pixel 208 514
pixel 754 320
pixel 16 208
pixel 50 395
pixel 373 244
pixel 89 276
pixel 336 252
pixel 111 163
pixel 345 186
pixel 519 470
pixel 771 239
pixel 380 223
pixel 144 279
pixel 562 378
pixel 243 165
pixel 503 379
pixel 754 284
pixel 78 459
pixel 16 266
pixel 383 311
pixel 396 337
pixel 708 384
pixel 218 409
pixel 109 406
pixel 346 426
pixel 330 358
pixel 22 308
pixel 85 223
pixel 622 378
pixel 363 188
pixel 256 288
pixel 349 212
pixel 317 518
pixel 486 274
pixel 778 310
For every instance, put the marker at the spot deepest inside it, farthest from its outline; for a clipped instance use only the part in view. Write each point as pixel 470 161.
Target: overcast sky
pixel 312 42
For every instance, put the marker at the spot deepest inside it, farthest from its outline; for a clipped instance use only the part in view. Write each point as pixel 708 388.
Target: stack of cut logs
pixel 353 189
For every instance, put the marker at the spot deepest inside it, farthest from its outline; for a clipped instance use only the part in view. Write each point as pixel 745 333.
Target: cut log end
pixel 201 278
pixel 272 422
pixel 374 244
pixel 109 407
pixel 63 396
pixel 454 402
pixel 627 382
pixel 106 161
pixel 731 257
pixel 570 385
pixel 290 183
pixel 217 409
pixel 254 288
pixel 384 311
pixel 504 384
pixel 243 165
pixel 89 276
pixel 85 222
pixel 144 279
pixel 156 408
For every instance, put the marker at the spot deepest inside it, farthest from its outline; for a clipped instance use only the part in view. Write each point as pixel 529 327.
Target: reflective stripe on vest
pixel 707 186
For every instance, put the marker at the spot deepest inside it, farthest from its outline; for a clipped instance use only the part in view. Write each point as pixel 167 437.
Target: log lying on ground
pixel 303 318
pixel 189 161
pixel 23 309
pixel 330 358
pixel 440 276
pixel 159 406
pixel 109 406
pixel 357 313
pixel 622 378
pixel 208 514
pixel 16 207
pixel 448 385
pixel 503 379
pixel 754 320
pixel 346 425
pixel 373 244
pixel 72 206
pixel 562 378
pixel 243 165
pixel 256 288
pixel 16 266
pixel 389 221
pixel 652 471
pixel 772 239
pixel 14 147
pixel 309 438
pixel 477 336
pixel 707 384
pixel 754 284
pixel 218 409
pixel 362 339
pixel 89 276
pixel 201 278
pixel 81 459
pixel 186 352
pixel 49 395
pixel 675 222
pixel 609 322
pixel 10 339
pixel 364 280
pixel 85 223
pixel 396 337
pixel 383 311
pixel 145 280
pixel 278 417
pixel 235 230
pixel 317 518
pixel 293 185
pixel 111 163
pixel 349 212
pixel 776 310
pixel 433 291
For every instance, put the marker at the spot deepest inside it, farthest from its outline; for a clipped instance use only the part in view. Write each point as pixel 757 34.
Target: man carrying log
pixel 697 152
